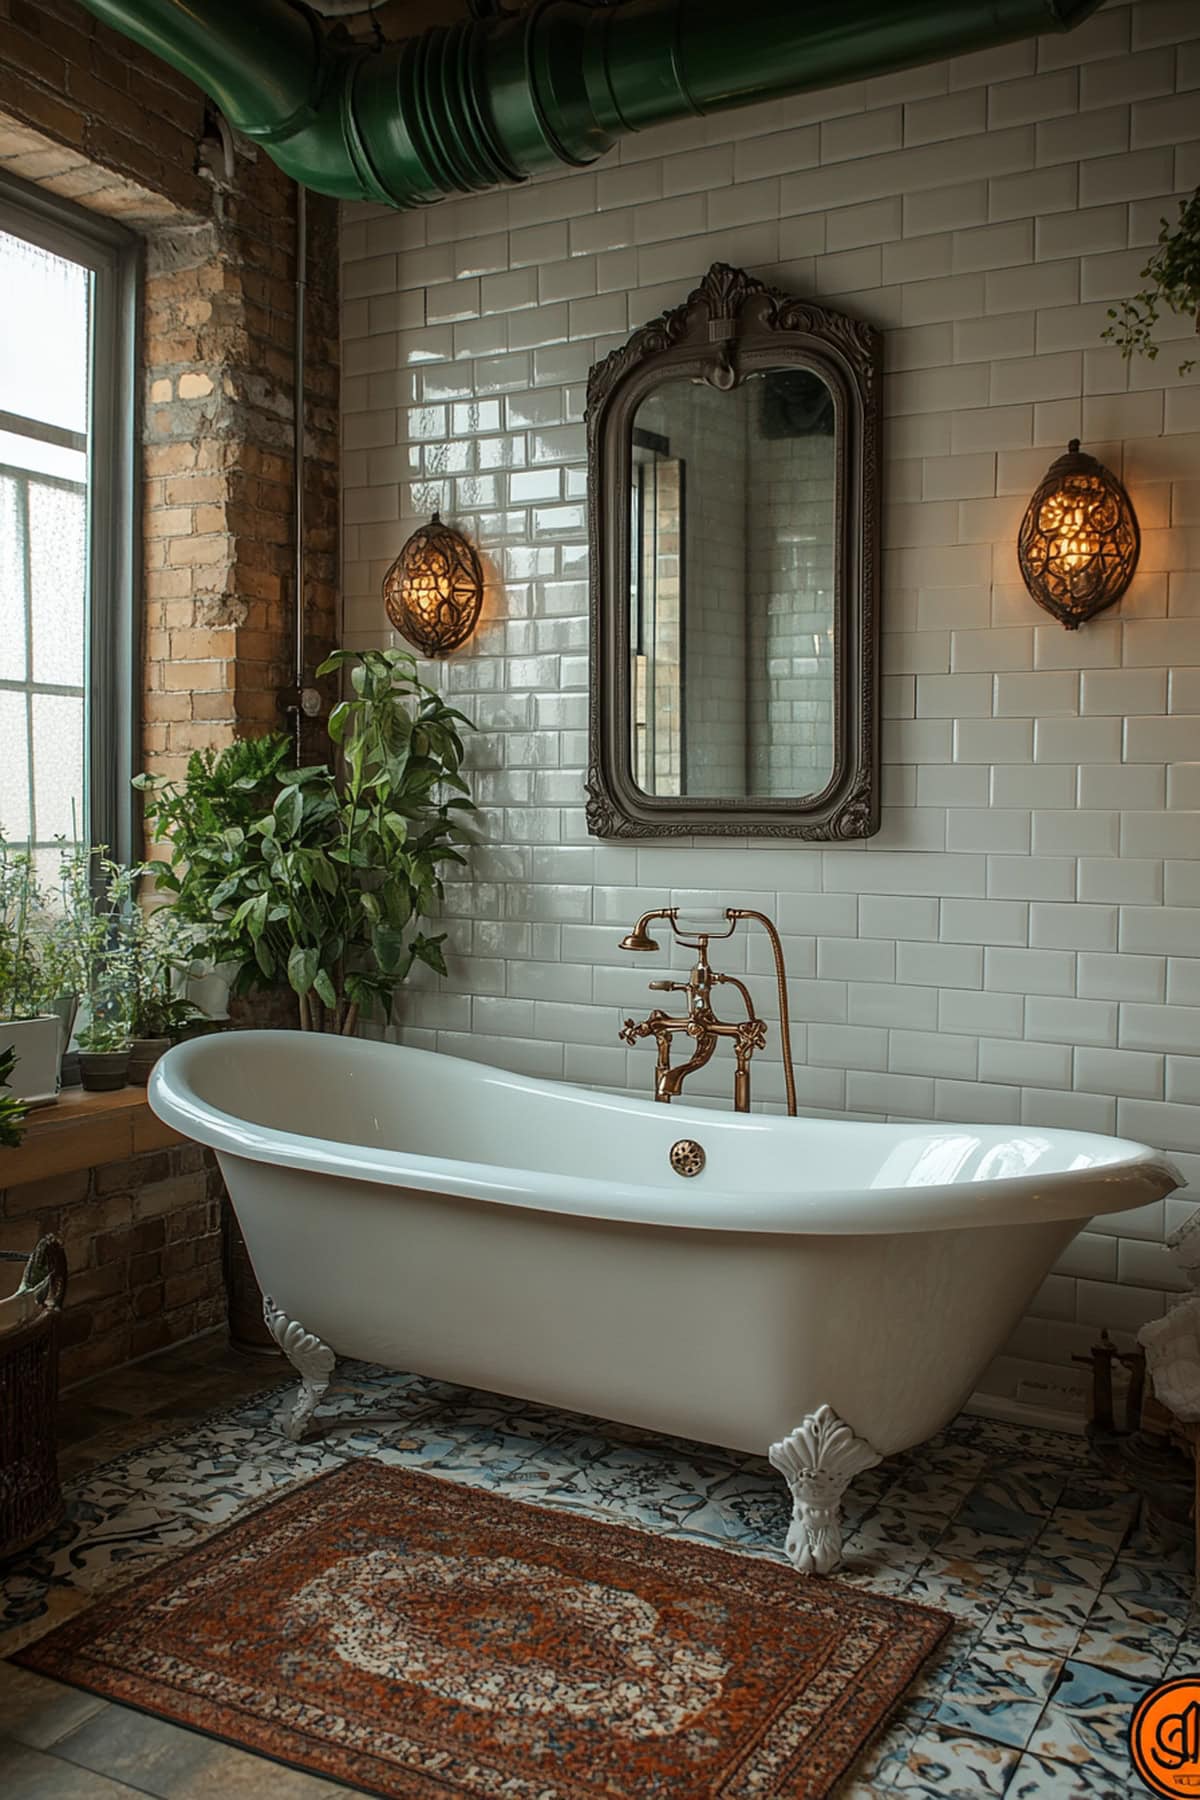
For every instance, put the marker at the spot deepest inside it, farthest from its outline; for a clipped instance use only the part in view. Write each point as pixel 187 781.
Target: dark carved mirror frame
pixel 730 327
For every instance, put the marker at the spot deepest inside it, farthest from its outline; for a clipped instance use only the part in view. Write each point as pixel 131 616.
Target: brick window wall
pixel 87 115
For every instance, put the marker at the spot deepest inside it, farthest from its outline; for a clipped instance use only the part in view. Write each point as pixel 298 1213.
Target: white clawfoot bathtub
pixel 823 1290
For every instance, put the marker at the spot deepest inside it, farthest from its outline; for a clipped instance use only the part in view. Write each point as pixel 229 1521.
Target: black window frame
pixel 113 253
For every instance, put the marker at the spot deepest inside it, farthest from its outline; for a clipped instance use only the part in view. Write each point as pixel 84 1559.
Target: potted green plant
pixel 76 941
pixel 61 961
pixel 104 1053
pixel 12 1112
pixel 160 952
pixel 29 1029
pixel 317 876
pixel 1172 276
pixel 90 948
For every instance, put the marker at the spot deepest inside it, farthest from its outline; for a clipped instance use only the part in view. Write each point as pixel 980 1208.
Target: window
pixel 67 309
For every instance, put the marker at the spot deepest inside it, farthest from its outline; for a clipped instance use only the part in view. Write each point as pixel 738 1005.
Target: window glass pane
pixel 57 763
pixel 14 766
pixel 12 586
pixel 44 344
pixel 45 378
pixel 58 584
pixel 17 452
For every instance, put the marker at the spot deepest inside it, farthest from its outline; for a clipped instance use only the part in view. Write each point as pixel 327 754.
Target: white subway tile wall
pixel 1021 942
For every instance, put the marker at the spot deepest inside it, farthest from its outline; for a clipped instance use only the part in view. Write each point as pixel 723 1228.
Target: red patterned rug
pixel 422 1640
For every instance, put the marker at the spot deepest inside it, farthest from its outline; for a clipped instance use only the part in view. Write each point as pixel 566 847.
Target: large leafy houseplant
pixel 1172 278
pixel 317 876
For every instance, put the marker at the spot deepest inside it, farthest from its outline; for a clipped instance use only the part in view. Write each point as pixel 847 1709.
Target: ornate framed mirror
pixel 734 500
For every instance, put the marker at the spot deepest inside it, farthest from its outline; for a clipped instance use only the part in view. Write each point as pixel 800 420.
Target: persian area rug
pixel 422 1640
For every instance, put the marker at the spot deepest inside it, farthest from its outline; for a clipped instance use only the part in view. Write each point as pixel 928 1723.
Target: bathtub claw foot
pixel 818 1461
pixel 312 1360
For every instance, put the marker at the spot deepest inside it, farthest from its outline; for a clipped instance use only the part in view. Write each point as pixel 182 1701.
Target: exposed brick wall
pixel 218 469
pixel 143 1245
pixel 88 115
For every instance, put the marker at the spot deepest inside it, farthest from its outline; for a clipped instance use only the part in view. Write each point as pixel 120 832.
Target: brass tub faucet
pixel 698 1021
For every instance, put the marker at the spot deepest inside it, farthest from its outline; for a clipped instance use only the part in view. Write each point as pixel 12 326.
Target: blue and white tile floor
pixel 1066 1607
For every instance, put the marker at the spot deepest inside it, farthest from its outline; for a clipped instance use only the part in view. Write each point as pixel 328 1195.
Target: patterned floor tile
pixel 1025 1484
pixel 955 1766
pixel 936 1492
pixel 968 1588
pixel 1185 1659
pixel 1140 1614
pixel 1086 1722
pixel 668 1493
pixel 750 1510
pixel 1091 1524
pixel 885 1760
pixel 1166 1559
pixel 1134 1642
pixel 1066 1602
pixel 998 1694
pixel 893 1532
pixel 1039 1778
pixel 975 1535
pixel 999 1439
pixel 939 1676
pixel 1040 1613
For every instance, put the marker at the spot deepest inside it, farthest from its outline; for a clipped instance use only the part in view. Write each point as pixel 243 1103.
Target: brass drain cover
pixel 687 1157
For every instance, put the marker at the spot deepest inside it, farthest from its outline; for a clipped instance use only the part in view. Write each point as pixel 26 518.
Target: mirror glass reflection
pixel 731 587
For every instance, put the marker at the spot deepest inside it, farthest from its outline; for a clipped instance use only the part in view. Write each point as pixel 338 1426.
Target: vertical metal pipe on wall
pixel 305 701
pixel 298 350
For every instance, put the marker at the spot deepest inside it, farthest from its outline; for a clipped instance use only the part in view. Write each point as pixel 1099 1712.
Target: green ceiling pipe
pixel 487 101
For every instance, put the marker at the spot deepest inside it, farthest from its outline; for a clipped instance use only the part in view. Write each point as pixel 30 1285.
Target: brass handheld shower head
pixel 639 938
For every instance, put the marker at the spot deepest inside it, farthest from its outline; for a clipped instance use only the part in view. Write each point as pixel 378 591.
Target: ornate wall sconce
pixel 1079 540
pixel 433 591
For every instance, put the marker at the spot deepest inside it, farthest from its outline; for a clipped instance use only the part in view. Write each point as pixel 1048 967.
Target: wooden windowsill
pixel 83 1131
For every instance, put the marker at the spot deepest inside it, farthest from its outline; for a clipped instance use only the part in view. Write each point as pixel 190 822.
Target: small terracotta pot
pixel 143 1054
pixel 103 1070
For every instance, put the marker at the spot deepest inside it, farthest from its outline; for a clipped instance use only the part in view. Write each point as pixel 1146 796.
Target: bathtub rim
pixel 1138 1178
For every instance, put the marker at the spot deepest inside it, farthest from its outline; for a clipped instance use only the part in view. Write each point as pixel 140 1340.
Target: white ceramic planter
pixel 38 1044
pixel 207 987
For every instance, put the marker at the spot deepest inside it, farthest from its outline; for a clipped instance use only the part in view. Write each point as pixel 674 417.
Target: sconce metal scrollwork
pixel 433 591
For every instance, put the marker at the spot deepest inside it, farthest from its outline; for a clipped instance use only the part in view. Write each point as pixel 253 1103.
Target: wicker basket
pixel 30 1497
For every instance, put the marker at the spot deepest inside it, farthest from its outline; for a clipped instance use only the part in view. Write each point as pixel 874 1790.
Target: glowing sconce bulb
pixel 433 591
pixel 1079 540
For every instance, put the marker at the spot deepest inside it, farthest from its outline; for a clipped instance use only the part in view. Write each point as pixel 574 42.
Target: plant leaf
pixel 302 968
